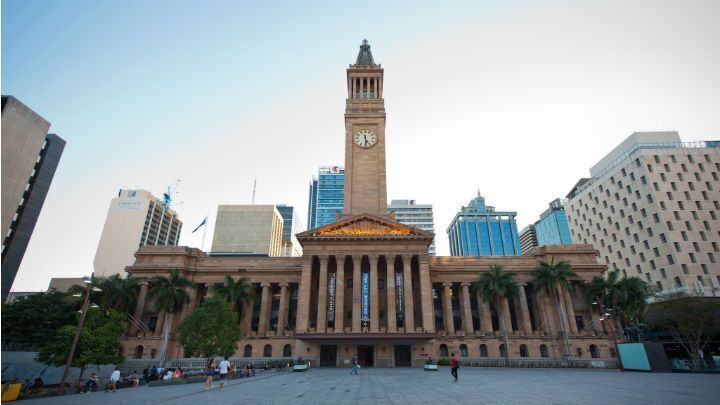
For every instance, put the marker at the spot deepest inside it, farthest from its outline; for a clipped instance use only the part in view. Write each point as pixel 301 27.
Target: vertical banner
pixel 399 294
pixel 331 298
pixel 365 312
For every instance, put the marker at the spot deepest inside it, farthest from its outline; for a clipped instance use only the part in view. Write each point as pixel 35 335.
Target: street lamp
pixel 607 313
pixel 83 312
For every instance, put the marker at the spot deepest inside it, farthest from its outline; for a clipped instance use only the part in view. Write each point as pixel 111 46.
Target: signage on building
pixel 331 298
pixel 128 205
pixel 399 294
pixel 365 312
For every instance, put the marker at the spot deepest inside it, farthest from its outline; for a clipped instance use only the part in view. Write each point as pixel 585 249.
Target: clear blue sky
pixel 479 94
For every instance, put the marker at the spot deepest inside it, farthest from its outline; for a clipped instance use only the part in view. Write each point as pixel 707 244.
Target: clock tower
pixel 365 185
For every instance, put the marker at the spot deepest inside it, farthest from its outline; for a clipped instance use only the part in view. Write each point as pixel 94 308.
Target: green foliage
pixel 693 322
pixel 235 292
pixel 443 362
pixel 169 292
pixel 210 330
pixel 627 297
pixel 118 293
pixel 496 284
pixel 548 276
pixel 98 342
pixel 29 321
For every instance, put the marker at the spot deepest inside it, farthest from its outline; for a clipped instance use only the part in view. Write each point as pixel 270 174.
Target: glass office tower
pixel 327 196
pixel 552 228
pixel 479 230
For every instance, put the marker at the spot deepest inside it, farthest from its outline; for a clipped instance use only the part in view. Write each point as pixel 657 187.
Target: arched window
pixel 579 352
pixel 267 351
pixel 612 352
pixel 502 350
pixel 594 352
pixel 248 351
pixel 138 352
pixel 524 351
pixel 443 350
pixel 463 350
pixel 483 351
pixel 287 351
pixel 153 353
pixel 544 351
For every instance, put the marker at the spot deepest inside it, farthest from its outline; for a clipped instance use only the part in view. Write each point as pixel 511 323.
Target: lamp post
pixel 83 312
pixel 606 313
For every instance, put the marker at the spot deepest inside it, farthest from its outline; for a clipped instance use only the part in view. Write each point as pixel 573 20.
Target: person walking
pixel 354 366
pixel 146 374
pixel 210 373
pixel 224 366
pixel 153 372
pixel 453 366
pixel 114 379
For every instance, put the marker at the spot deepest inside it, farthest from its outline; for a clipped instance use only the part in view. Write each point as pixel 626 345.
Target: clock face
pixel 365 138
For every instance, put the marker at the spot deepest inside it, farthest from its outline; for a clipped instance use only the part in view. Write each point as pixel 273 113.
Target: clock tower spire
pixel 365 184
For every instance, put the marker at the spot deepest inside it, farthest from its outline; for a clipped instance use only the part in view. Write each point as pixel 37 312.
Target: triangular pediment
pixel 364 226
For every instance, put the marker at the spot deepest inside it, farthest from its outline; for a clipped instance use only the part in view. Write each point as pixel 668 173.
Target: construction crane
pixel 168 197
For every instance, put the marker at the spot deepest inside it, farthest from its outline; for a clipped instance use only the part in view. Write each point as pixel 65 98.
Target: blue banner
pixel 365 299
pixel 400 296
pixel 331 298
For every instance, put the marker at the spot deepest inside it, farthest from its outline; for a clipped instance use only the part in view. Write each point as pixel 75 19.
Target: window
pixel 670 259
pixel 287 351
pixel 678 282
pixel 594 352
pixel 524 351
pixel 543 351
pixel 443 350
pixel 483 351
pixel 247 352
pixel 502 351
pixel 267 351
pixel 663 273
pixel 463 350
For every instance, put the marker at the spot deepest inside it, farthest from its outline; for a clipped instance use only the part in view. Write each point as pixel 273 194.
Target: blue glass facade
pixel 327 196
pixel 552 228
pixel 479 230
pixel 290 225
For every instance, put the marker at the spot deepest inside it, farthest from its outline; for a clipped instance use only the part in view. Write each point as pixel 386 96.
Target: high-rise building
pixel 30 157
pixel 651 208
pixel 135 218
pixel 479 230
pixel 291 227
pixel 552 227
pixel 327 196
pixel 528 239
pixel 255 230
pixel 409 212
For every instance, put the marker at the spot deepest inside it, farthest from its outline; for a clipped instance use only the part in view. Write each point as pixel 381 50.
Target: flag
pixel 201 225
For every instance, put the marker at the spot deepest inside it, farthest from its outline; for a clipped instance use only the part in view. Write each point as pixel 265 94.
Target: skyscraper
pixel 30 157
pixel 135 218
pixel 408 212
pixel 247 230
pixel 652 208
pixel 327 196
pixel 552 227
pixel 528 238
pixel 479 230
pixel 291 227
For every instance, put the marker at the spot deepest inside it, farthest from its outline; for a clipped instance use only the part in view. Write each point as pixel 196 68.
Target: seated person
pixel 429 360
pixel 37 386
pixel 135 379
pixel 300 361
pixel 91 383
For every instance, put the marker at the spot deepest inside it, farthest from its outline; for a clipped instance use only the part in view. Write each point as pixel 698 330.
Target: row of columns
pixel 365 84
pixel 265 304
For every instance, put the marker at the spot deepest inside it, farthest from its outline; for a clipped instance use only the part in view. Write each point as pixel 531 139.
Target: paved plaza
pixel 415 386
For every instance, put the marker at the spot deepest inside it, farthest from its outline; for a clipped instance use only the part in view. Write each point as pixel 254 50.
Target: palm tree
pixel 627 297
pixel 170 296
pixel 552 278
pixel 119 293
pixel 237 293
pixel 495 285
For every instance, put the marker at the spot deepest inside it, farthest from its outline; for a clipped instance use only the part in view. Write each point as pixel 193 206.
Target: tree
pixel 30 321
pixel 693 322
pixel 552 278
pixel 98 342
pixel 119 293
pixel 212 329
pixel 170 296
pixel 626 297
pixel 495 285
pixel 237 293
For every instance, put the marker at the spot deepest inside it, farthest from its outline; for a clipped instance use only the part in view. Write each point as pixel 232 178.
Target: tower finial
pixel 365 57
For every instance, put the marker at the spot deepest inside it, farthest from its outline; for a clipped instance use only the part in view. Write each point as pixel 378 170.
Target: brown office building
pixel 366 284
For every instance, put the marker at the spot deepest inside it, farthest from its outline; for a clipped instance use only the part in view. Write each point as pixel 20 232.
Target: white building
pixel 247 230
pixel 651 208
pixel 408 212
pixel 135 218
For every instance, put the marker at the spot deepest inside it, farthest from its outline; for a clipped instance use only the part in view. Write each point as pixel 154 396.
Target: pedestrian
pixel 146 374
pixel 210 373
pixel 135 378
pixel 153 373
pixel 91 383
pixel 354 366
pixel 114 379
pixel 224 365
pixel 453 366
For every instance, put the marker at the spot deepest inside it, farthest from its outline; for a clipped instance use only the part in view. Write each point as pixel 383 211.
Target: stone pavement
pixel 415 386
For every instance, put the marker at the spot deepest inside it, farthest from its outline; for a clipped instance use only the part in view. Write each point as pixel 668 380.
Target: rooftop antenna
pixel 253 195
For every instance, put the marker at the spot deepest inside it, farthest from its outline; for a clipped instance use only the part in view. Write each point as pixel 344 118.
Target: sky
pixel 517 99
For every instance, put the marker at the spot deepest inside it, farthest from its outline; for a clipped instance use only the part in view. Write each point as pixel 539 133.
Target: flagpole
pixel 202 247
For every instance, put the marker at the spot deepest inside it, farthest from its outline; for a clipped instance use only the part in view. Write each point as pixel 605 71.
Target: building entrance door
pixel 328 356
pixel 403 356
pixel 365 355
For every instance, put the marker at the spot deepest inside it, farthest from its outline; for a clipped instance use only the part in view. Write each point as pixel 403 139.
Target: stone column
pixel 357 268
pixel 390 285
pixel 139 307
pixel 283 309
pixel 264 309
pixel 526 324
pixel 322 296
pixel 426 297
pixel 447 308
pixel 374 291
pixel 506 313
pixel 544 306
pixel 303 310
pixel 340 294
pixel 246 323
pixel 160 324
pixel 567 301
pixel 485 314
pixel 466 308
pixel 407 284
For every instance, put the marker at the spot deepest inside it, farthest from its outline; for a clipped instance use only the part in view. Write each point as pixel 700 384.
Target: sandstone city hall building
pixel 366 286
